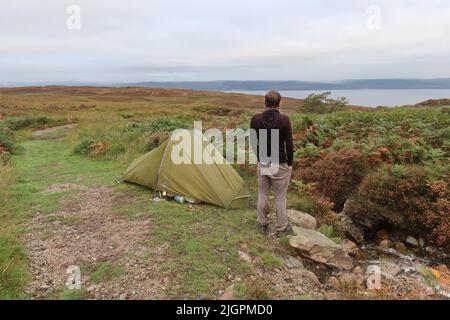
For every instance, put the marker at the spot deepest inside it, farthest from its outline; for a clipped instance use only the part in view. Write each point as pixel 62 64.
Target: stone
pixel 386 243
pixel 123 296
pixel 351 229
pixel 228 294
pixel 306 275
pixel 244 256
pixel 302 220
pixel 92 287
pixel 382 235
pixel 412 241
pixel 315 246
pixel 400 247
pixel 358 270
pixel 332 295
pixel 421 242
pixel 389 269
pixel 431 250
pixel 293 263
pixel 333 282
pixel 348 279
pixel 349 246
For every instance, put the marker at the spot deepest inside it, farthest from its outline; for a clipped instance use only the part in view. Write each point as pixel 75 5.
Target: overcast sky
pixel 138 40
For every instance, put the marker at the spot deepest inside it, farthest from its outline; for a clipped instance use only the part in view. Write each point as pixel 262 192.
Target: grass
pixel 105 271
pixel 330 232
pixel 254 288
pixel 68 294
pixel 204 244
pixel 13 273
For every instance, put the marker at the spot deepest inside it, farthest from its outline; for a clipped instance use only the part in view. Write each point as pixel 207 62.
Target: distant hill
pixel 443 83
pixel 232 85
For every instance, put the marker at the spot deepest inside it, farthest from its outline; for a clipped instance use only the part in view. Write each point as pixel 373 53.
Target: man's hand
pixel 290 167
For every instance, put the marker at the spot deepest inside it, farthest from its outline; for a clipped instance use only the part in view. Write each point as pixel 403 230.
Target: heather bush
pixel 16 123
pixel 337 175
pixel 309 200
pixel 321 103
pixel 404 198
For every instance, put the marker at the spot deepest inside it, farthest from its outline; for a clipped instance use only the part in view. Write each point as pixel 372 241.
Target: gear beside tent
pixel 216 183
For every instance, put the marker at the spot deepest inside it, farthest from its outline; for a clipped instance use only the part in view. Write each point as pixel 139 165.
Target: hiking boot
pixel 286 232
pixel 263 228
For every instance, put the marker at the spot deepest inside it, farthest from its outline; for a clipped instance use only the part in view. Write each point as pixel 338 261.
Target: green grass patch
pixel 105 271
pixel 203 246
pixel 68 294
pixel 13 271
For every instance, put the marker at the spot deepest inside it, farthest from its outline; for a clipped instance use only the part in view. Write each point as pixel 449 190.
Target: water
pixel 372 97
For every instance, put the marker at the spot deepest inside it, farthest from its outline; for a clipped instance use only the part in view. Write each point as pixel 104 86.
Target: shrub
pixel 337 175
pixel 160 124
pixel 406 200
pixel 155 140
pixel 16 123
pixel 310 201
pixel 253 289
pixel 85 146
pixel 213 110
pixel 321 103
pixel 7 143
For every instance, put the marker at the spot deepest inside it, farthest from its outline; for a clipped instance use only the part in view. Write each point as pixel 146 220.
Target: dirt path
pixel 86 233
pixel 111 250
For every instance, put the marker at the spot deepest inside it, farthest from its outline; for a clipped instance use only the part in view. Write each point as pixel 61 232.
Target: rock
pixel 348 279
pixel 349 246
pixel 382 235
pixel 351 229
pixel 293 263
pixel 306 275
pixel 228 293
pixel 333 282
pixel 389 269
pixel 431 250
pixel 400 247
pixel 332 295
pixel 358 270
pixel 421 242
pixel 386 243
pixel 317 247
pixel 412 241
pixel 302 220
pixel 123 296
pixel 244 256
pixel 92 288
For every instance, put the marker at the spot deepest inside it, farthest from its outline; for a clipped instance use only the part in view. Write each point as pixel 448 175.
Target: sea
pixel 371 97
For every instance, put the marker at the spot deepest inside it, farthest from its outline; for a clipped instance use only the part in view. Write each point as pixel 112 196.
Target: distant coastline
pixel 289 85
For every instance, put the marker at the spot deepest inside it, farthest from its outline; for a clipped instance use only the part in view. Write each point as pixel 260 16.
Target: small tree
pixel 321 103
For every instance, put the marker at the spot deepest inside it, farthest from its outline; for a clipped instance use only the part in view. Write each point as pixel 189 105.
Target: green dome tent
pixel 216 183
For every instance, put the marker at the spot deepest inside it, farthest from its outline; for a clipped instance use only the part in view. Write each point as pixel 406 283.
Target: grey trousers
pixel 277 178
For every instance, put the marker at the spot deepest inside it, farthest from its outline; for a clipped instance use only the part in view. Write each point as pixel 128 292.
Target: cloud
pixel 205 40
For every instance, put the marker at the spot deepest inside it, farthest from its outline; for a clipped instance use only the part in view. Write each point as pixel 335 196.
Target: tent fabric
pixel 216 183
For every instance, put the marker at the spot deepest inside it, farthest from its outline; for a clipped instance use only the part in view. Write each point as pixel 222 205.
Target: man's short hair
pixel 273 99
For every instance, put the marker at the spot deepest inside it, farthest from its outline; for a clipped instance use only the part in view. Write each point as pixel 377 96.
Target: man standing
pixel 274 161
